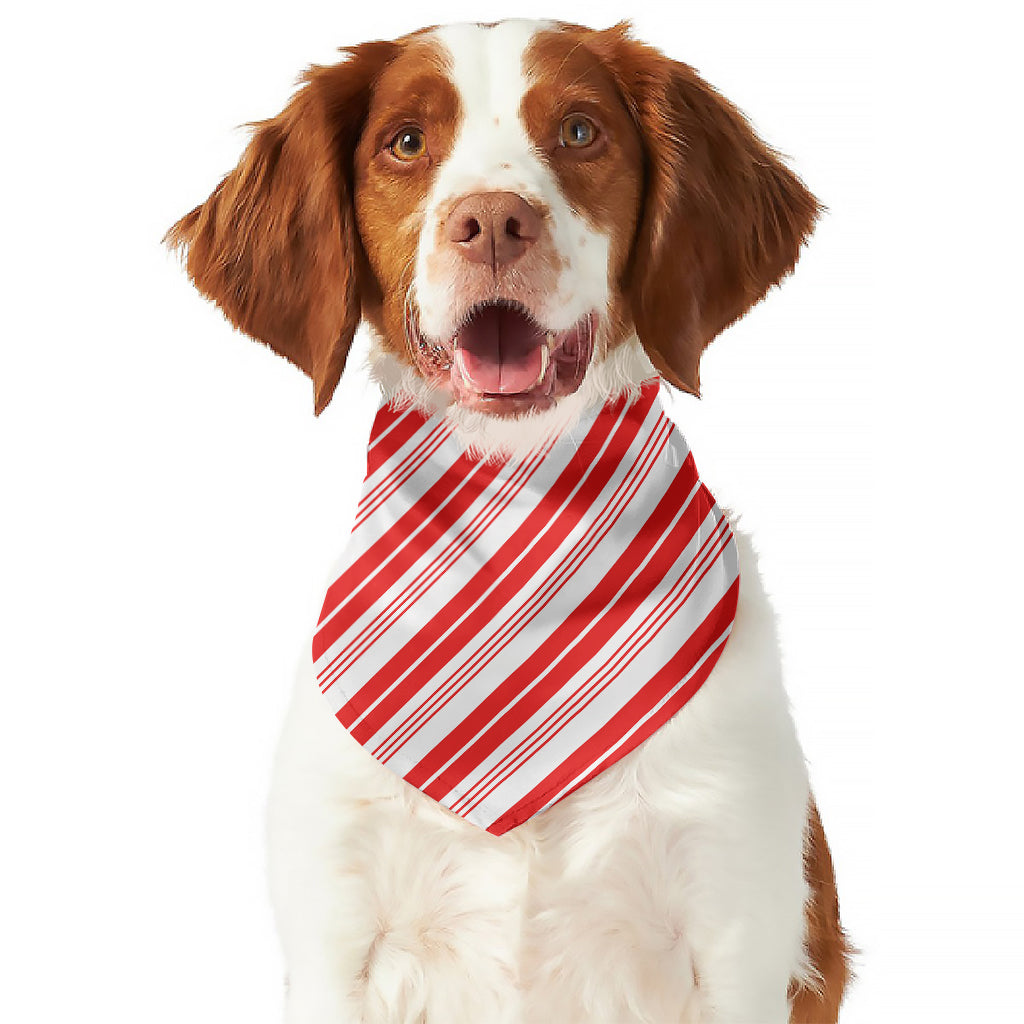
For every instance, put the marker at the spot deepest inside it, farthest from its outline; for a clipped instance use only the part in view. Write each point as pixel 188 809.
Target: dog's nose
pixel 493 227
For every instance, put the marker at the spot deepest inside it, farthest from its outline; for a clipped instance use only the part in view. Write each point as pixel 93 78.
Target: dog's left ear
pixel 723 218
pixel 275 245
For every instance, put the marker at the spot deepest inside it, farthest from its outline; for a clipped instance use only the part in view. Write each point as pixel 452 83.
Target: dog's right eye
pixel 409 144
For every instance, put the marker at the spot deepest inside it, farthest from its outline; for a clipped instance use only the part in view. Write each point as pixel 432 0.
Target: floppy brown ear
pixel 275 245
pixel 723 218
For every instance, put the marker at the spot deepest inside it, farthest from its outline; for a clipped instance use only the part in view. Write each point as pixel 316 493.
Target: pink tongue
pixel 499 351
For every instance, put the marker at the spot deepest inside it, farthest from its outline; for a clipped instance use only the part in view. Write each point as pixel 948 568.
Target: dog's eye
pixel 409 144
pixel 577 132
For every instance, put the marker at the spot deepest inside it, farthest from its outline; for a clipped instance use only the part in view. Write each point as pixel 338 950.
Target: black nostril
pixel 471 229
pixel 513 228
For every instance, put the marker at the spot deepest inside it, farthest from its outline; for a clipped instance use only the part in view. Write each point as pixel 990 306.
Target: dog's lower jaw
pixel 612 371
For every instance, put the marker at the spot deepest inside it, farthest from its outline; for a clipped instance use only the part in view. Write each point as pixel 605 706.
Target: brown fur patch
pixel 723 219
pixel 828 947
pixel 602 182
pixel 275 245
pixel 390 196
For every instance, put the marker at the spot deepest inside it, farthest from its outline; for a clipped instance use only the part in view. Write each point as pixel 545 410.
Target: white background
pixel 170 506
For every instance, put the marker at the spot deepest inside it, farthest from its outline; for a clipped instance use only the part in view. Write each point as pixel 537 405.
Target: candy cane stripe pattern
pixel 501 631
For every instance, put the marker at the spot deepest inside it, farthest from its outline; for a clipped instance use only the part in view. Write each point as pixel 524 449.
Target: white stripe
pixel 401 418
pixel 558 615
pixel 604 755
pixel 376 497
pixel 564 569
pixel 550 470
pixel 391 612
pixel 598 676
pixel 385 523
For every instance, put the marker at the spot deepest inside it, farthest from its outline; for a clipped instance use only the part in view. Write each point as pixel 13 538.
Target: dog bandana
pixel 503 631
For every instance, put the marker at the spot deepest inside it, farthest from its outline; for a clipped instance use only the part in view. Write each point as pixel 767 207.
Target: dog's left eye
pixel 577 131
pixel 409 144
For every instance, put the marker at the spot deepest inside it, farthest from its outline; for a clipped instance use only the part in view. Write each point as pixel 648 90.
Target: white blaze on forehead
pixel 493 152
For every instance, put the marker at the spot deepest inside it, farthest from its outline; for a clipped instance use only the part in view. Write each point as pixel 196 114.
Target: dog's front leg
pixel 321 915
pixel 390 909
pixel 744 911
pixel 685 904
pixel 671 887
pixel 732 776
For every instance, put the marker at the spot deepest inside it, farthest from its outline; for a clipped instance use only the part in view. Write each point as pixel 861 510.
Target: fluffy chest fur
pixel 533 219
pixel 622 902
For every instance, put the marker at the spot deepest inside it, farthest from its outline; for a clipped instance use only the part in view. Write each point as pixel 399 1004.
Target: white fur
pixel 622 370
pixel 493 151
pixel 669 888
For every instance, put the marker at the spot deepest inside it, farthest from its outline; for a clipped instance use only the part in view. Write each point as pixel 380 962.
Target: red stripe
pixel 380 492
pixel 390 438
pixel 535 680
pixel 548 679
pixel 518 621
pixel 584 694
pixel 388 615
pixel 662 714
pixel 410 458
pixel 539 535
pixel 720 617
pixel 386 417
pixel 582 622
pixel 489 572
pixel 426 522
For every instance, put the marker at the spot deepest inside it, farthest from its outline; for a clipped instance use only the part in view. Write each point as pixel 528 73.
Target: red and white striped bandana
pixel 501 632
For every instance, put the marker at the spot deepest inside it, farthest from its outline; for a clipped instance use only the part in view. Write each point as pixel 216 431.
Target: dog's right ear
pixel 275 245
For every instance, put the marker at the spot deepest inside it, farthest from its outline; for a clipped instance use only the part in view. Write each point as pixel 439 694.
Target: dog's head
pixel 507 206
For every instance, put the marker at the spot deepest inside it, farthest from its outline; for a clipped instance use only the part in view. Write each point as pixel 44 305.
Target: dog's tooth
pixel 545 359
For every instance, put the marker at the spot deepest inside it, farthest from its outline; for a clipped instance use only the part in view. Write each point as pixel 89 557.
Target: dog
pixel 535 220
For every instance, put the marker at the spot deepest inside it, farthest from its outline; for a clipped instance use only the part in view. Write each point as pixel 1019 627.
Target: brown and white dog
pixel 608 213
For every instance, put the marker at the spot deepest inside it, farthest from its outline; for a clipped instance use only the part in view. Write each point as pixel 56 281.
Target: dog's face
pixel 497 189
pixel 505 205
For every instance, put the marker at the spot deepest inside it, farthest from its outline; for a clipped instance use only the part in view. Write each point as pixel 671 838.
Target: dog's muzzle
pixel 501 360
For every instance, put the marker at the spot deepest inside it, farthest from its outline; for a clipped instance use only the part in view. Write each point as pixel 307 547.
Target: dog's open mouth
pixel 501 360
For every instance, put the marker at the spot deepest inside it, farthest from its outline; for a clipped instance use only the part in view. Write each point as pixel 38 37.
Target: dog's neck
pixel 621 371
